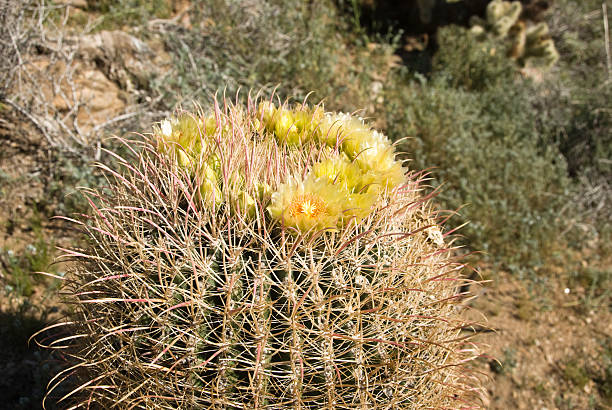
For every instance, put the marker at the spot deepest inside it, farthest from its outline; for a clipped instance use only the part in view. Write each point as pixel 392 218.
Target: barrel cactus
pixel 265 256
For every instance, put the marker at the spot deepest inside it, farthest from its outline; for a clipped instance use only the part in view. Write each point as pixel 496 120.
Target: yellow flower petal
pixel 209 190
pixel 244 203
pixel 312 204
pixel 267 111
pixel 339 171
pixel 286 128
pixel 341 127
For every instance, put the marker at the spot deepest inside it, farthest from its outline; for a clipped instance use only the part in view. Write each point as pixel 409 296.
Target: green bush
pixel 574 105
pixel 470 63
pixel 474 122
pixel 485 148
pixel 531 159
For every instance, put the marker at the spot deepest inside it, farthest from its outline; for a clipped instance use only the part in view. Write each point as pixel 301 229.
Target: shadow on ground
pixel 25 368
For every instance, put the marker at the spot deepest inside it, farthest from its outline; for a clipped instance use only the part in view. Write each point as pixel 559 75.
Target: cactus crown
pixel 266 256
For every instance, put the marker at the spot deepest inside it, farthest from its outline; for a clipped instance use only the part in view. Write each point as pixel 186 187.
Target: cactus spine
pixel 265 257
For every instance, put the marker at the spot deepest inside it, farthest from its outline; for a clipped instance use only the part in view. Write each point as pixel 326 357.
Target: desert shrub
pixel 578 31
pixel 579 122
pixel 564 111
pixel 576 104
pixel 486 149
pixel 574 108
pixel 470 63
pixel 295 47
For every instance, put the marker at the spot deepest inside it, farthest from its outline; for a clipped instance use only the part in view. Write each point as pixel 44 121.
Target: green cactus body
pixel 529 45
pixel 274 258
pixel 540 50
pixel 502 15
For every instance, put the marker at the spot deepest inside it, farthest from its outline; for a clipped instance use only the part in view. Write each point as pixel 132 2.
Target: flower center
pixel 307 205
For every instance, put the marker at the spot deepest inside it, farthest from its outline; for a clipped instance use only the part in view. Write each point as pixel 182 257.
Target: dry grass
pixel 47 82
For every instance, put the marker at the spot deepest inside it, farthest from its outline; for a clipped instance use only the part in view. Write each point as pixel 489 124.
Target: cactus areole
pixel 265 256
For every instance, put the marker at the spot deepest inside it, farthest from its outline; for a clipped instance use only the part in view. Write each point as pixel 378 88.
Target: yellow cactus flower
pixel 267 111
pixel 356 144
pixel 209 190
pixel 301 119
pixel 297 126
pixel 244 203
pixel 184 160
pixel 184 137
pixel 342 127
pixel 210 125
pixel 312 204
pixel 339 171
pixel 287 129
pixel 171 140
pixel 188 131
pixel 312 122
pixel 166 137
pixel 290 126
pixel 381 180
pixel 375 156
pixel 381 170
pixel 360 204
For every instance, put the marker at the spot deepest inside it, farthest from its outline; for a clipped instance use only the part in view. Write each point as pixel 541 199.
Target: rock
pixel 94 80
pixel 123 58
pixel 78 91
pixel 102 99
